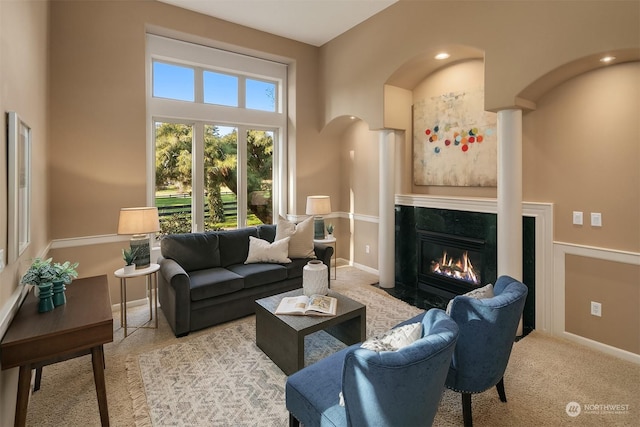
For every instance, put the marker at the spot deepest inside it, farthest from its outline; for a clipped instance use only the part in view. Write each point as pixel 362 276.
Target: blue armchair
pixel 487 332
pixel 389 388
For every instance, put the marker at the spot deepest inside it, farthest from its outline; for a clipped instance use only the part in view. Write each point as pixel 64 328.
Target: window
pixel 173 81
pixel 217 136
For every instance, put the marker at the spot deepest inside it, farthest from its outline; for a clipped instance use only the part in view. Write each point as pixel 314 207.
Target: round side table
pixel 151 278
pixel 331 241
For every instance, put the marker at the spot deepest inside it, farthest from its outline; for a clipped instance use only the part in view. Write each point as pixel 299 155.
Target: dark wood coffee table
pixel 81 326
pixel 281 337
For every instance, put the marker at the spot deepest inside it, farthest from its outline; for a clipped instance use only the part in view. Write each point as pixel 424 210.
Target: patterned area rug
pixel 222 375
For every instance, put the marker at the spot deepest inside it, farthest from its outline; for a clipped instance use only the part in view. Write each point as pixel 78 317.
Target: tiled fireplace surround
pixel 471 218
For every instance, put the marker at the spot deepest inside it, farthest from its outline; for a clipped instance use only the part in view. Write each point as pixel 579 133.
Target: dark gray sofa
pixel 203 280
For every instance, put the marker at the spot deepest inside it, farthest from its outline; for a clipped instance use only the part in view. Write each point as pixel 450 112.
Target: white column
pixel 386 214
pixel 510 193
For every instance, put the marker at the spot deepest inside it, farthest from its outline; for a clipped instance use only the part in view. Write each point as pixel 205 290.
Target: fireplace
pixel 448 264
pixel 477 230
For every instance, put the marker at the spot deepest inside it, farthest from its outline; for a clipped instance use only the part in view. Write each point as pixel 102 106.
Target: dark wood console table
pixel 81 326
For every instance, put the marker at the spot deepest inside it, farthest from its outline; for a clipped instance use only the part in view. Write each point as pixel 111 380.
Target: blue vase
pixel 46 297
pixel 59 297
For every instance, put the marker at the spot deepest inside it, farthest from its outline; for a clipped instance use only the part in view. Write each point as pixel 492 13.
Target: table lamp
pixel 139 222
pixel 318 206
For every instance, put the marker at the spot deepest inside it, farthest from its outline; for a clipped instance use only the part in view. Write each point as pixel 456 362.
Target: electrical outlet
pixel 367 249
pixel 1 259
pixel 596 309
pixel 596 219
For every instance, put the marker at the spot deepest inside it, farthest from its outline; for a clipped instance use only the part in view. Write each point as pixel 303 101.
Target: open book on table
pixel 315 305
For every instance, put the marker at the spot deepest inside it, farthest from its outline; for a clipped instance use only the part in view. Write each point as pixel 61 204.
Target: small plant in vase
pixel 65 273
pixel 129 256
pixel 330 230
pixel 41 275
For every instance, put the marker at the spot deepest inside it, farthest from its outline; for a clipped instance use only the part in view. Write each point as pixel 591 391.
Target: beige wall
pixel 581 151
pixel 98 104
pixel 589 279
pixel 23 89
pixel 522 41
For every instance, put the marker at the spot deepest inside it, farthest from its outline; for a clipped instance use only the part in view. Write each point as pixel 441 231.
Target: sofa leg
pixel 466 410
pixel 500 388
pixel 293 421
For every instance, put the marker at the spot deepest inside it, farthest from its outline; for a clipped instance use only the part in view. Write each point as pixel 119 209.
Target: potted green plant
pixel 41 275
pixel 330 230
pixel 129 256
pixel 65 273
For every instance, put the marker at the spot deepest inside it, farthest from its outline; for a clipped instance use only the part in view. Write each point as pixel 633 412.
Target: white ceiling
pixel 313 22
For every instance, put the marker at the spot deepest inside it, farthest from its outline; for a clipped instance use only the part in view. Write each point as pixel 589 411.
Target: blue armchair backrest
pixel 487 332
pixel 401 387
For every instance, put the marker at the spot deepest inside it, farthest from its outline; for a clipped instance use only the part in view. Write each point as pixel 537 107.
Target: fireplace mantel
pixel 471 204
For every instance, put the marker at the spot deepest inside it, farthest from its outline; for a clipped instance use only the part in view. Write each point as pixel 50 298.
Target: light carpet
pixel 223 375
pixel 222 378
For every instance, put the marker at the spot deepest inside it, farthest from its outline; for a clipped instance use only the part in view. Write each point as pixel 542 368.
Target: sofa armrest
pixel 174 292
pixel 324 254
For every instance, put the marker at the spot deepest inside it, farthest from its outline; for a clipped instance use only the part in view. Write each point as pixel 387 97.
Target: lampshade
pixel 138 220
pixel 318 205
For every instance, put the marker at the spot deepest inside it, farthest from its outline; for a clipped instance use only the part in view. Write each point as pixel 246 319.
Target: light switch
pixel 577 218
pixel 596 219
pixel 1 259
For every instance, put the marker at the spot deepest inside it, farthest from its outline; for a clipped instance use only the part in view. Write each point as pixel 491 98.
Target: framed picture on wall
pixel 19 186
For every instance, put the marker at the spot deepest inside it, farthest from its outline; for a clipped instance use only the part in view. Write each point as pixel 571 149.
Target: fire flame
pixel 460 268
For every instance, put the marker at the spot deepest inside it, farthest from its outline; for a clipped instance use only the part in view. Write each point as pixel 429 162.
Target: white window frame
pixel 198 114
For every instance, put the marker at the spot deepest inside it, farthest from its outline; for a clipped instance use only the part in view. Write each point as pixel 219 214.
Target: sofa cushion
pixel 263 251
pixel 193 251
pixel 301 234
pixel 213 282
pixel 295 268
pixel 259 274
pixel 234 245
pixel 267 232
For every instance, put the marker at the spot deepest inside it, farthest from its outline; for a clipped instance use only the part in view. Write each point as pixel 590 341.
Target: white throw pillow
pixel 301 235
pixel 480 293
pixel 263 251
pixel 395 339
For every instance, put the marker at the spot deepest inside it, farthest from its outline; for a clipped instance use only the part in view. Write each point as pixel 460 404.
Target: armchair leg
pixel 466 410
pixel 500 388
pixel 293 421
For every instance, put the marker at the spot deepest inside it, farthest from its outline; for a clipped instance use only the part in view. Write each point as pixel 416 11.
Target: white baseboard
pixel 605 348
pixel 363 267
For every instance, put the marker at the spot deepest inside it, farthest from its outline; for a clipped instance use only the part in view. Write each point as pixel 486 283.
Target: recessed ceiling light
pixel 442 55
pixel 352 117
pixel 607 59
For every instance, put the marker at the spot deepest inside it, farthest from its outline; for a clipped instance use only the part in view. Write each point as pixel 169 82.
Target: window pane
pixel 173 82
pixel 220 177
pixel 259 177
pixel 261 95
pixel 221 89
pixel 173 177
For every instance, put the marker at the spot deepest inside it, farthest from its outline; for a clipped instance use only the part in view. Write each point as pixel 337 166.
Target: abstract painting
pixel 454 141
